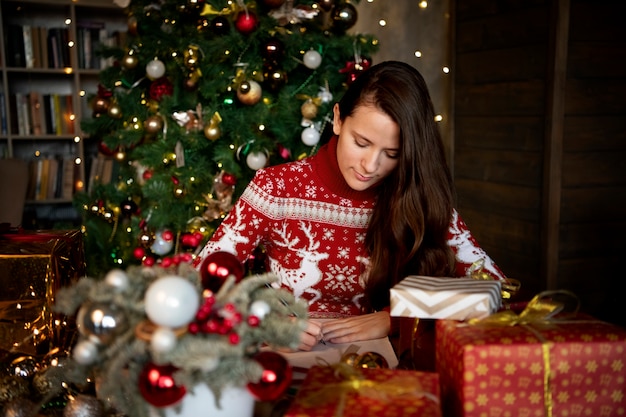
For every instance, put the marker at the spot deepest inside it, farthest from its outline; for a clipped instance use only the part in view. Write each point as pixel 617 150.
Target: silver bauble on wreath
pixel 83 406
pixel 101 322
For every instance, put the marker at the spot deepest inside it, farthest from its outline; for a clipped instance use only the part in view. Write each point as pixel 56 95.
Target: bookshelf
pixel 49 70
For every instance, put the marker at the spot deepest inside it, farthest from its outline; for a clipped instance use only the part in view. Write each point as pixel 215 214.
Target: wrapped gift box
pixel 33 266
pixel 445 298
pixel 332 391
pixel 557 368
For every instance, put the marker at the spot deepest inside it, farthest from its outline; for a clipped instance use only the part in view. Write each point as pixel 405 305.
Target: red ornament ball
pixel 229 179
pixel 161 87
pixel 246 22
pixel 139 253
pixel 276 377
pixel 157 385
pixel 105 150
pixel 217 267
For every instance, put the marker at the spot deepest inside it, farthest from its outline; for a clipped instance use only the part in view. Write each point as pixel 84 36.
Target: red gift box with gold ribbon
pixel 33 266
pixel 532 365
pixel 343 391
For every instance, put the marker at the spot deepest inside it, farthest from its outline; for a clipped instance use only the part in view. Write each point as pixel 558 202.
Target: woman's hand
pixel 311 335
pixel 357 328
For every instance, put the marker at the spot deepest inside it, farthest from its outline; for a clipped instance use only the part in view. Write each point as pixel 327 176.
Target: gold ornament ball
pixel 114 111
pixel 179 191
pixel 132 25
pixel 169 158
pixel 120 155
pixel 130 61
pixel 371 360
pixel 350 358
pixel 212 131
pixel 249 92
pixel 153 124
pixel 308 110
pixel 153 105
pixel 146 239
pixel 100 105
pixel 192 57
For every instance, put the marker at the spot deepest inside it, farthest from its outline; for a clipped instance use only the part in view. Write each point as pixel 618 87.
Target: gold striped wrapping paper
pixel 445 298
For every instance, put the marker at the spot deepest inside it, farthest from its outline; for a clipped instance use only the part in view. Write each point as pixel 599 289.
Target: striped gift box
pixel 445 298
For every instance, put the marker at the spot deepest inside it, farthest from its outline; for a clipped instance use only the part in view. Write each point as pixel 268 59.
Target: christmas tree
pixel 202 94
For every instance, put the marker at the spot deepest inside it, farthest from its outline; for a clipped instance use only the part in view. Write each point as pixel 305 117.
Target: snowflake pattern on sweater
pixel 313 227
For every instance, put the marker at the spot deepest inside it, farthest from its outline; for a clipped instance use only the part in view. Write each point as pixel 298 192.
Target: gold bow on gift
pixel 510 286
pixel 542 308
pixel 351 380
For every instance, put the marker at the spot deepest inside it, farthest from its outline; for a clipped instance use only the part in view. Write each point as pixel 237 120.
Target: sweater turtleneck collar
pixel 326 166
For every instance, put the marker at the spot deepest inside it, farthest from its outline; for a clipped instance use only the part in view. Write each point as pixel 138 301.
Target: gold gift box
pixel 33 266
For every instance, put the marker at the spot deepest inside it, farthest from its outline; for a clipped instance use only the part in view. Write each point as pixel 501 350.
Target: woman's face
pixel 368 146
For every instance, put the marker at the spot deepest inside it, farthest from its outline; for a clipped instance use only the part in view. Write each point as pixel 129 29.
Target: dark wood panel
pixel 516 202
pixel 590 168
pixel 596 282
pixel 594 60
pixel 471 9
pixel 598 20
pixel 503 232
pixel 600 239
pixel 523 133
pixel 508 167
pixel 524 98
pixel 595 96
pixel 594 133
pixel 497 65
pixel 592 204
pixel 503 30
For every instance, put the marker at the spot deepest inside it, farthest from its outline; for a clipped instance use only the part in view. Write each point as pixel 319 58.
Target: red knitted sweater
pixel 312 225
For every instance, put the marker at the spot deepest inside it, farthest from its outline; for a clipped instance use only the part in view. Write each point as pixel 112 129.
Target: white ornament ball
pixel 163 339
pixel 325 95
pixel 256 160
pixel 117 278
pixel 171 301
pixel 259 308
pixel 161 246
pixel 312 59
pixel 310 136
pixel 85 352
pixel 155 69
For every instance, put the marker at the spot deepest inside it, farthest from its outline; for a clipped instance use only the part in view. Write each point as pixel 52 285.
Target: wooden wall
pixel 540 141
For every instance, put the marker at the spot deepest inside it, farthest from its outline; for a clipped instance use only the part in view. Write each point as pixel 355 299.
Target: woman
pixel 373 205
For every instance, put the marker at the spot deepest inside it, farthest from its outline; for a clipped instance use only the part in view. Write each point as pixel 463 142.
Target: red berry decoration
pixel 217 267
pixel 157 385
pixel 246 22
pixel 276 377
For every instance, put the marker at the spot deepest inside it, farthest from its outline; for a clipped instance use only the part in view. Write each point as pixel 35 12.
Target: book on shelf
pixel 15 46
pixel 102 171
pixel 36 113
pixel 51 178
pixel 43 45
pixel 29 57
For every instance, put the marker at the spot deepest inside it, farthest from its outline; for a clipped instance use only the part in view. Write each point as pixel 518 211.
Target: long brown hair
pixel 408 228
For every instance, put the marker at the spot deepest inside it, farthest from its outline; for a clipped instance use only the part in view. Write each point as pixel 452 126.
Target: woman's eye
pixel 392 155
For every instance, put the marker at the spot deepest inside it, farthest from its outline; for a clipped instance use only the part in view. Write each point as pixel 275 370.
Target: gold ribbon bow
pixel 351 380
pixel 316 100
pixel 510 286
